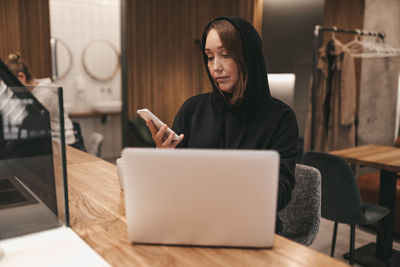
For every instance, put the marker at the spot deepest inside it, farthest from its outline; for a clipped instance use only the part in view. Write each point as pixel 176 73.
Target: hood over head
pixel 257 90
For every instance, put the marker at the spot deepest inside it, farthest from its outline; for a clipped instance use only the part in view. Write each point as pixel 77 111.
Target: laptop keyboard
pixel 13 194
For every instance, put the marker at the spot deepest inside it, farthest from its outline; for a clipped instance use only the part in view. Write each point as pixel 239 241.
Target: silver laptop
pixel 201 197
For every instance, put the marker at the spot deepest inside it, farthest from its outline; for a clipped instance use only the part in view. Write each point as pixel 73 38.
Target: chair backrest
pixel 140 134
pixel 341 201
pixel 79 143
pixel 301 217
pixel 95 144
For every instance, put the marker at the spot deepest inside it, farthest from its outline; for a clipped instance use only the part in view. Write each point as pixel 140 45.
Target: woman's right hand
pixel 161 138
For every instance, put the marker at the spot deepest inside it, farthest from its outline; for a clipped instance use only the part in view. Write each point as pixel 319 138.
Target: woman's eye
pixel 226 55
pixel 210 58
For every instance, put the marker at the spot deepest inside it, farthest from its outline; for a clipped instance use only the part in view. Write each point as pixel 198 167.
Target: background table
pixel 387 160
pixel 98 216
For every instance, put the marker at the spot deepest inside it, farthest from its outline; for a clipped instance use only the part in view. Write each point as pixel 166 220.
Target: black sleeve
pixel 285 142
pixel 178 126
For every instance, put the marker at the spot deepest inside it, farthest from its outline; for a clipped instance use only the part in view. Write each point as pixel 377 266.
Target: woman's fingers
pixel 153 128
pixel 175 143
pixel 161 138
pixel 171 143
pixel 156 133
pixel 168 141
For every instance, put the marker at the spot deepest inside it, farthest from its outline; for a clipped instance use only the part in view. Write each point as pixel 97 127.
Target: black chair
pixel 79 143
pixel 341 201
pixel 95 144
pixel 139 133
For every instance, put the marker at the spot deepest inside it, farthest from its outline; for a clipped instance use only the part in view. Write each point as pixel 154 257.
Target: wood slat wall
pixel 343 14
pixel 163 57
pixel 25 27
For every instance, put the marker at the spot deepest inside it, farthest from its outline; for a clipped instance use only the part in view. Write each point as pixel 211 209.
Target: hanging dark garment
pixel 335 101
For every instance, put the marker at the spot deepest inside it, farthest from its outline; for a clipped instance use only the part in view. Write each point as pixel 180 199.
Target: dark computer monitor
pixel 30 135
pixel 25 142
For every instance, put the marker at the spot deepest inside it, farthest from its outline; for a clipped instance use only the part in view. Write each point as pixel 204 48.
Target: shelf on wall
pixel 91 113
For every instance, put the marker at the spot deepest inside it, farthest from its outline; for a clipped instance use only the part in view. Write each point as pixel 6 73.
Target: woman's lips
pixel 221 79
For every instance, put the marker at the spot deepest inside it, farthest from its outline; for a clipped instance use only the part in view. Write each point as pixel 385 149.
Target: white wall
pixel 77 23
pixel 287 45
pixel 379 78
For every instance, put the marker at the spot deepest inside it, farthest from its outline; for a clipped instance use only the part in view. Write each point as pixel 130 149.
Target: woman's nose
pixel 217 66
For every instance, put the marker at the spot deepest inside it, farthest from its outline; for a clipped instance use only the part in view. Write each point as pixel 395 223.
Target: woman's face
pixel 223 69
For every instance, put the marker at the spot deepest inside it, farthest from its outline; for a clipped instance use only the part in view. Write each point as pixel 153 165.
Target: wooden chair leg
pixel 334 239
pixel 352 241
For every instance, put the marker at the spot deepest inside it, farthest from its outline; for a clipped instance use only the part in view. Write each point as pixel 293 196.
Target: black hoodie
pixel 258 122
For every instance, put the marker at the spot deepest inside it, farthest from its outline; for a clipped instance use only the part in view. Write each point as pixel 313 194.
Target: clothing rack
pixel 317 30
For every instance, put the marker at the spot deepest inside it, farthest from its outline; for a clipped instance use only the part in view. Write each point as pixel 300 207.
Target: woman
pixel 46 93
pixel 240 112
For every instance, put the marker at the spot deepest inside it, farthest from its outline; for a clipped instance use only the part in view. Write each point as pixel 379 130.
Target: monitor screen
pixel 26 153
pixel 24 122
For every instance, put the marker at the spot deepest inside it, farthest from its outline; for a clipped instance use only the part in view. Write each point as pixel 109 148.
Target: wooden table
pixel 98 216
pixel 387 160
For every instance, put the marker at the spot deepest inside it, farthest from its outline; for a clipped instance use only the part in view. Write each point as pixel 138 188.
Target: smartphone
pixel 147 116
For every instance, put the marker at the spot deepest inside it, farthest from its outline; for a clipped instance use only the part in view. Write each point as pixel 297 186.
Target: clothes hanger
pixel 356 46
pixel 333 32
pixel 370 46
pixel 381 49
pixel 330 45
